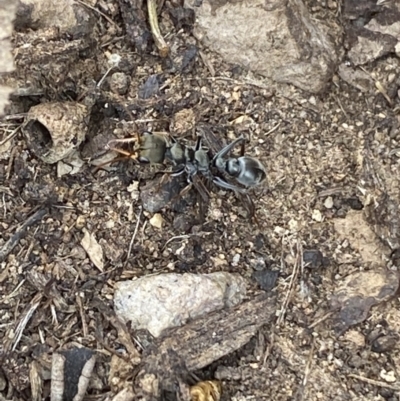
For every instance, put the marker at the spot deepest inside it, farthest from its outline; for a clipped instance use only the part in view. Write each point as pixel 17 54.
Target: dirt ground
pixel 313 148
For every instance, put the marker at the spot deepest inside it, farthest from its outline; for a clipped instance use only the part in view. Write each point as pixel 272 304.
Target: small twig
pixel 13 241
pixel 155 29
pixel 291 285
pixel 25 319
pixel 97 11
pixel 374 382
pixel 10 136
pixel 111 350
pixel 18 116
pixel 341 107
pixel 270 346
pixel 6 190
pixel 186 236
pixel 20 284
pixel 105 76
pixel 379 86
pixel 82 313
pixel 321 319
pixel 331 191
pixel 236 82
pixel 272 129
pixel 113 61
pixel 133 236
pixel 10 162
pixel 4 205
pixel 207 63
pixel 124 336
pixel 307 371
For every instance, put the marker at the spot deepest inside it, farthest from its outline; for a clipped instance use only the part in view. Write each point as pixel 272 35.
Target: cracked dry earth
pixel 314 149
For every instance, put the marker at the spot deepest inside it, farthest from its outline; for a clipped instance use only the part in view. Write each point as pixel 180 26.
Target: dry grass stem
pixel 26 316
pixel 374 382
pixel 159 41
pixel 133 236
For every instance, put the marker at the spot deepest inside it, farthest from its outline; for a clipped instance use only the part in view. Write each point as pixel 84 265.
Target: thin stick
pixel 236 82
pixel 306 373
pixel 82 313
pixel 159 41
pixel 14 240
pixel 320 320
pixel 379 86
pixel 97 11
pixel 133 236
pixel 272 129
pixel 176 237
pixel 291 285
pixel 10 162
pixel 10 136
pixel 105 76
pixel 35 302
pixel 374 382
pixel 10 117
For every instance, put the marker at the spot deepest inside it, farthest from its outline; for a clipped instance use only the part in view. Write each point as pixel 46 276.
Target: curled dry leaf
pixel 93 249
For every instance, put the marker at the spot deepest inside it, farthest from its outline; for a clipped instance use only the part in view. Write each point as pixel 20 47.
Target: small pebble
pixel 119 83
pixel 235 260
pixel 317 215
pixel 266 279
pixel 384 343
pixel 157 221
pixel 389 377
pixel 80 222
pixel 328 202
pixel 313 258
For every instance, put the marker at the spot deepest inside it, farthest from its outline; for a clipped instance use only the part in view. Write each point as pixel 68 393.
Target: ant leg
pixel 132 155
pixel 249 205
pixel 226 185
pixel 198 143
pixel 178 172
pixel 242 148
pixel 182 193
pixel 251 209
pixel 200 187
pixel 223 152
pixel 185 190
pixel 167 174
pixel 123 152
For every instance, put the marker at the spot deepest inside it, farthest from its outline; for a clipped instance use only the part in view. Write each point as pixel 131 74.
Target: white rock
pixel 389 377
pixel 317 215
pixel 328 202
pixel 397 49
pixel 169 300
